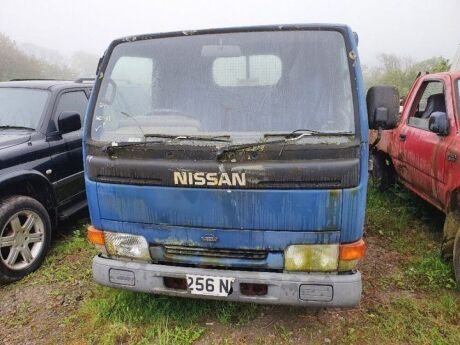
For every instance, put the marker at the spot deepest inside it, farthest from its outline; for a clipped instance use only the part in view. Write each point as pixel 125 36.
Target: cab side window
pixel 430 99
pixel 72 101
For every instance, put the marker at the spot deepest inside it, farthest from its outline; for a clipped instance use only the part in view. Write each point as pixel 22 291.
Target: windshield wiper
pixel 16 127
pixel 116 145
pixel 174 137
pixel 287 138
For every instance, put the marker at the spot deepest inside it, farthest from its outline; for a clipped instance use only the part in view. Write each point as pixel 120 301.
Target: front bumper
pixel 316 290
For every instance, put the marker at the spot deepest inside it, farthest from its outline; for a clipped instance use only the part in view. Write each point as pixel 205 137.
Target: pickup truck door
pixel 422 153
pixel 67 150
pixel 452 141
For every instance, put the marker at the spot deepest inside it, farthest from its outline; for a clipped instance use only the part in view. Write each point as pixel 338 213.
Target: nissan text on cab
pixel 230 164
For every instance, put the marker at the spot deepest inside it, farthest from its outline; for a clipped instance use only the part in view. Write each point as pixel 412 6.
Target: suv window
pixel 22 107
pixel 429 100
pixel 72 101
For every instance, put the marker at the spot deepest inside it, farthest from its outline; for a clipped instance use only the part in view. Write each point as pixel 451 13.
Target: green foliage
pixel 15 64
pixel 401 72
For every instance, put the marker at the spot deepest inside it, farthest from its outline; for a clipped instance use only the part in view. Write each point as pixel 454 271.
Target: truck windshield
pixel 241 83
pixel 21 108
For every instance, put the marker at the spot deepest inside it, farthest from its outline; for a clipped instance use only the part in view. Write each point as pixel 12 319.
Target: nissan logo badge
pixel 209 238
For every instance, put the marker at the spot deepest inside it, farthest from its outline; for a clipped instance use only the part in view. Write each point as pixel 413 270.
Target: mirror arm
pixel 379 137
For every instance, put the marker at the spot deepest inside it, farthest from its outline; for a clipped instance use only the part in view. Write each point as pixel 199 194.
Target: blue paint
pixel 228 238
pixel 315 210
pixel 354 199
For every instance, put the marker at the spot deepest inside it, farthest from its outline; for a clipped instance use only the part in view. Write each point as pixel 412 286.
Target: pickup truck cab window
pixel 429 99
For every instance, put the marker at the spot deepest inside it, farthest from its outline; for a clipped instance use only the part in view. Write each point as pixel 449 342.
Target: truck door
pixel 450 159
pixel 67 150
pixel 422 152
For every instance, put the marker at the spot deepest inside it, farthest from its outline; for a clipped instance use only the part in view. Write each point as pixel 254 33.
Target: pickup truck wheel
pixel 451 228
pixel 457 258
pixel 382 173
pixel 25 236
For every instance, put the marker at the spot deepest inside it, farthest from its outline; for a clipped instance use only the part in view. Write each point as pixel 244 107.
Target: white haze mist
pixel 416 28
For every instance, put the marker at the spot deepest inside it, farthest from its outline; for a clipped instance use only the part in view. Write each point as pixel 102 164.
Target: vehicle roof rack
pixel 85 80
pixel 25 79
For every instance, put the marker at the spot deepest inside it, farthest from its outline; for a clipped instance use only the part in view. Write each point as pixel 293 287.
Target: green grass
pixel 429 272
pixel 414 229
pixel 158 319
pixel 410 321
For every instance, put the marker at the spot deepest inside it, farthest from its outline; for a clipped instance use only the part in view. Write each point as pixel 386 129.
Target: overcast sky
pixel 416 28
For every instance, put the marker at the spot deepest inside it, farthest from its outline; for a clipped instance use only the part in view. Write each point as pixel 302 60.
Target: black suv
pixel 41 167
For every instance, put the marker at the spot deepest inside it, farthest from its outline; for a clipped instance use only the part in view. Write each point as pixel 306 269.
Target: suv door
pixel 67 149
pixel 422 152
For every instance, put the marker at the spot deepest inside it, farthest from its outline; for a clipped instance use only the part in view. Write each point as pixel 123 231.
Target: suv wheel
pixel 25 236
pixel 457 258
pixel 382 173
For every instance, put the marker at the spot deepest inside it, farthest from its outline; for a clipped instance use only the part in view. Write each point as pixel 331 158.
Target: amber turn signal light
pixel 352 251
pixel 95 236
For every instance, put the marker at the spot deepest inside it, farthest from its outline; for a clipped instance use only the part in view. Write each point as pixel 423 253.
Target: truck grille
pixel 215 252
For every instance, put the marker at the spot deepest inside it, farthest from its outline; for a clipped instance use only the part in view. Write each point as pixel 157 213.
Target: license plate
pixel 210 286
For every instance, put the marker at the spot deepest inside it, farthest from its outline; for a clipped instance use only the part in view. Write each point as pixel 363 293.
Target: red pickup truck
pixel 421 148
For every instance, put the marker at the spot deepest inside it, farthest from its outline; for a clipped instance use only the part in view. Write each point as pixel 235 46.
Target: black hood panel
pixel 8 139
pixel 327 168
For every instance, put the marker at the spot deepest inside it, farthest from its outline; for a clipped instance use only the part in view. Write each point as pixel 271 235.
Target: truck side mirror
pixel 438 123
pixel 382 107
pixel 69 121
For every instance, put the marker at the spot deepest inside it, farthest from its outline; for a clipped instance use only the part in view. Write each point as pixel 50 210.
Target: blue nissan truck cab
pixel 230 164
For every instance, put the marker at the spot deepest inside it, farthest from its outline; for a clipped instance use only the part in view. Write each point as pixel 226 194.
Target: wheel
pixel 25 236
pixel 457 258
pixel 451 228
pixel 382 172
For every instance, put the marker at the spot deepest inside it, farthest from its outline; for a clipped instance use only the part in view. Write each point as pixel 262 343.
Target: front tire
pixel 457 258
pixel 25 237
pixel 383 176
pixel 451 228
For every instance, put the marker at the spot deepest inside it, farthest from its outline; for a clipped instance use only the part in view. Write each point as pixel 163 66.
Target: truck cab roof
pixel 47 84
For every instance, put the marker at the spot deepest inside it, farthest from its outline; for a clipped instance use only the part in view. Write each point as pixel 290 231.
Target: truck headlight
pixel 323 257
pixel 120 244
pixel 311 257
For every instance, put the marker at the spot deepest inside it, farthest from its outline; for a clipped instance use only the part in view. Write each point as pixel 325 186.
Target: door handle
pixel 402 136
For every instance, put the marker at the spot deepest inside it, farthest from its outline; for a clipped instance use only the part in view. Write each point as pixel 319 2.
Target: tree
pixel 401 72
pixel 15 64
